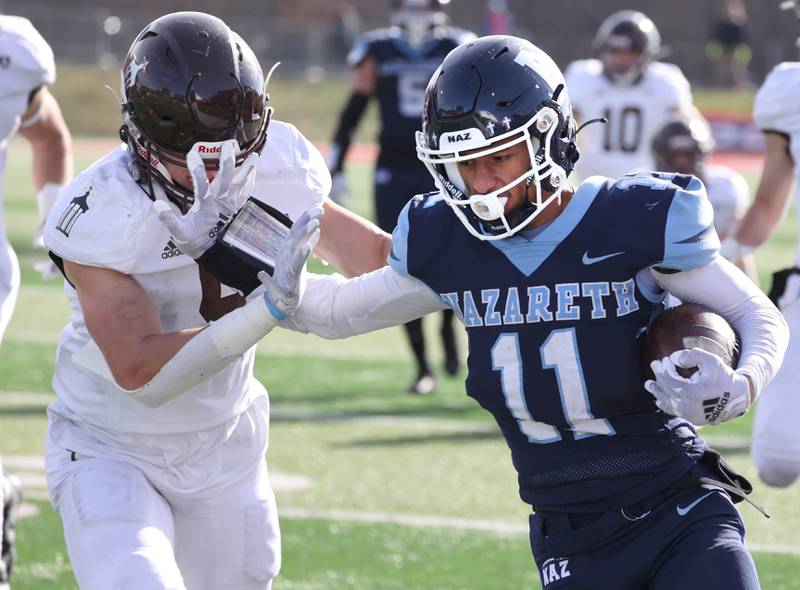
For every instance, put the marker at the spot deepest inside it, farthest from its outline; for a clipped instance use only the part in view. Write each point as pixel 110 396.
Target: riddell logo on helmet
pixel 147 156
pixel 209 149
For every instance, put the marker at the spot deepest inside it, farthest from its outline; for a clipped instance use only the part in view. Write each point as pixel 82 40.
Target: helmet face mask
pixel 626 43
pixel 468 117
pixel 189 79
pixel 418 19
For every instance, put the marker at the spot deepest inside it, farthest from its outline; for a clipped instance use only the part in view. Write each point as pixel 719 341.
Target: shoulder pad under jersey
pixel 26 58
pixel 291 174
pixel 776 103
pixel 457 35
pixel 416 206
pixel 689 237
pixel 672 86
pixel 99 216
pixel 582 77
pixel 365 45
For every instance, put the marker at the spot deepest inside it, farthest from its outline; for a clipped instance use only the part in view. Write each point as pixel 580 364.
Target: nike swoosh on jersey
pixel 593 260
pixel 684 510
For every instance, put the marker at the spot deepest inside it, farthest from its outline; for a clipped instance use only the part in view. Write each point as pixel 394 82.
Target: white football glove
pixel 284 288
pixel 712 394
pixel 195 232
pixel 340 188
pixel 45 199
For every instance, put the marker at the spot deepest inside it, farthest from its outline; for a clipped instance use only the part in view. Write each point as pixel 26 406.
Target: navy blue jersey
pixel 403 75
pixel 554 325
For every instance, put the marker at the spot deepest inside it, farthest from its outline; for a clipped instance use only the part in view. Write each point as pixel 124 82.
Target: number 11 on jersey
pixel 560 353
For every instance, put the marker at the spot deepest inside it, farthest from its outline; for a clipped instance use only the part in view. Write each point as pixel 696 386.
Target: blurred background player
pixel 28 107
pixel 728 49
pixel 776 112
pixel 627 86
pixel 684 145
pixel 394 65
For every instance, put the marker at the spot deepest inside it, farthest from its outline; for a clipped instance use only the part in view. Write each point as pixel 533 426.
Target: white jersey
pixel 729 195
pixel 26 63
pixel 635 113
pixel 776 109
pixel 104 219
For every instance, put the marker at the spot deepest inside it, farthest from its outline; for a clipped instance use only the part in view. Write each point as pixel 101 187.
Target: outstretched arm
pixel 334 307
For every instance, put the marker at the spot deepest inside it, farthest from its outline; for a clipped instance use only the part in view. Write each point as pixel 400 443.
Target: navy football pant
pixel 690 538
pixel 393 189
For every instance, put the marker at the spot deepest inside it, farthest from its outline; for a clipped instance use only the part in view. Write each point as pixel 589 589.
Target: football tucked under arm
pixel 690 354
pixel 763 332
pixel 689 326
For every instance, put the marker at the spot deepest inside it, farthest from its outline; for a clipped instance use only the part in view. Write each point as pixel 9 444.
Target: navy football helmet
pixel 488 95
pixel 627 31
pixel 188 78
pixel 683 145
pixel 418 19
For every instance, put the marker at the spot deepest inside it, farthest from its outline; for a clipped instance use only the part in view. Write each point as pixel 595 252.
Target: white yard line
pixel 495 526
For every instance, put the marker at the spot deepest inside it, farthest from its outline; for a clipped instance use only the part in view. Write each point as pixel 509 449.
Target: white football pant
pixel 776 429
pixel 127 528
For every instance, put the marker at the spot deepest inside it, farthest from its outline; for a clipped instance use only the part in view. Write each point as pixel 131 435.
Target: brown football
pixel 688 326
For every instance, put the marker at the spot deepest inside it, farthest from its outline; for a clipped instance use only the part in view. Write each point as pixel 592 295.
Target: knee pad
pixel 262 552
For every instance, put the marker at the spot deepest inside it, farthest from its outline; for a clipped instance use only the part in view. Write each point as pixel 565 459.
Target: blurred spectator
pixel 728 49
pixel 498 19
pixel 344 30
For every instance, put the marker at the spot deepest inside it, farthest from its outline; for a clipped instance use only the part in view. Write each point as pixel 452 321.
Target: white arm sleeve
pixel 725 289
pixel 334 307
pixel 205 354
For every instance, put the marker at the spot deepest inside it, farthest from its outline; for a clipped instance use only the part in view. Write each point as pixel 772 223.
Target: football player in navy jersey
pixel 555 286
pixel 393 65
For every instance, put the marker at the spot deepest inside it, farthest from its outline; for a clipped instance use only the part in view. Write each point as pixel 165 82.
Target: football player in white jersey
pixel 627 86
pixel 26 106
pixel 776 112
pixel 684 145
pixel 156 444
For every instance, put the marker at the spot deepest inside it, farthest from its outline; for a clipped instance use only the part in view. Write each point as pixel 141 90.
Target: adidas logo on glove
pixel 714 406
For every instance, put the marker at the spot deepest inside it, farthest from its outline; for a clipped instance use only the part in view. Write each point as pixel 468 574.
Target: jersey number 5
pixel 560 353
